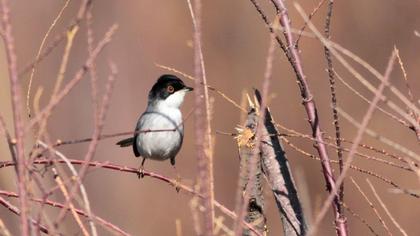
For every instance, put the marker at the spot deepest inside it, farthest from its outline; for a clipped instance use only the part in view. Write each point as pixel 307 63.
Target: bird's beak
pixel 188 88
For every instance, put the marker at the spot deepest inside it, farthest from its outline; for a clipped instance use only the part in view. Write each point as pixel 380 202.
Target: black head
pixel 165 86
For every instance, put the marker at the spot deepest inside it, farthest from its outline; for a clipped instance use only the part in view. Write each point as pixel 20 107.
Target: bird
pixel 159 132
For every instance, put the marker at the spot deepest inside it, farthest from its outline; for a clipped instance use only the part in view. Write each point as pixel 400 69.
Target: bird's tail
pixel 126 142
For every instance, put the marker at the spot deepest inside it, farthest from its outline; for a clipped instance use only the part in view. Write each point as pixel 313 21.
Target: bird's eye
pixel 170 89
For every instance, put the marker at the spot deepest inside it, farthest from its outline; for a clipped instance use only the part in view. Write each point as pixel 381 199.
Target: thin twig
pixel 38 55
pixel 334 48
pixel 407 168
pixel 76 79
pixel 113 135
pixel 371 148
pixel 110 166
pixel 377 75
pixel 93 73
pixel 386 209
pixel 47 51
pixel 407 85
pixel 306 23
pixel 101 221
pixel 380 137
pixel 271 30
pixel 367 117
pixel 401 121
pixel 334 97
pixel 10 142
pixel 252 164
pixel 354 214
pixel 414 123
pixel 15 210
pixel 82 187
pixel 65 192
pixel 71 33
pixel 3 229
pixel 211 88
pixel 313 118
pixel 364 171
pixel 96 133
pixel 372 206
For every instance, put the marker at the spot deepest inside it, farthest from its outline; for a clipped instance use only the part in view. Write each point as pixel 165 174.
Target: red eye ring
pixel 170 89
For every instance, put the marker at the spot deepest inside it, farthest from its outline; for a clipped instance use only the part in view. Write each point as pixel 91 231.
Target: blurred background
pixel 235 43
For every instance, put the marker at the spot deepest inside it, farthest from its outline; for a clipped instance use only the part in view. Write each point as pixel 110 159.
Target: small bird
pixel 160 130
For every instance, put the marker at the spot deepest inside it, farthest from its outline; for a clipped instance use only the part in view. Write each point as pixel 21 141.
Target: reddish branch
pixel 58 39
pixel 15 210
pixel 15 90
pixel 95 139
pixel 312 114
pixel 50 48
pixel 76 79
pixel 367 117
pixel 111 166
pixel 59 205
pixel 202 124
pixel 306 23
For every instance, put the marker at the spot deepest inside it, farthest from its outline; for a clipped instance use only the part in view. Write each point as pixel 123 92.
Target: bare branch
pixel 38 55
pixel 15 210
pixel 110 166
pixel 15 90
pixel 372 206
pixel 101 221
pixel 203 140
pixel 356 141
pixel 386 209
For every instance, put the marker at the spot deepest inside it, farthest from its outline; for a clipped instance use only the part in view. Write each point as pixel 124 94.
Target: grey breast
pixel 165 137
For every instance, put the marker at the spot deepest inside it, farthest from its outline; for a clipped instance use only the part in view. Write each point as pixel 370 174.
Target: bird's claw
pixel 140 173
pixel 177 183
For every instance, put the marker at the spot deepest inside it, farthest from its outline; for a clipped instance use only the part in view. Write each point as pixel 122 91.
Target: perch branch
pixel 114 167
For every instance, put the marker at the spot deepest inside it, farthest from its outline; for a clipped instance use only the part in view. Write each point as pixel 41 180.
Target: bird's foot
pixel 140 172
pixel 177 183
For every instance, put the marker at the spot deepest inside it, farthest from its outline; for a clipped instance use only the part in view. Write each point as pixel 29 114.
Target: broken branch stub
pixel 246 144
pixel 273 163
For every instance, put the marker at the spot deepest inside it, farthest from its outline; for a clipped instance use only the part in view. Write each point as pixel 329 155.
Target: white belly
pixel 160 145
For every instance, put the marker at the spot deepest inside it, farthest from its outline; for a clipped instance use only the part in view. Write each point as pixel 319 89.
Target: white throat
pixel 174 101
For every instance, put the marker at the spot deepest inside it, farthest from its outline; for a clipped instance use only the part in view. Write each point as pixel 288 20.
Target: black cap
pixel 166 85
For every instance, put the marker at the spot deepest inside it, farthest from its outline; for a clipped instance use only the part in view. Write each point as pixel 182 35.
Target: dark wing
pixel 126 142
pixel 130 142
pixel 135 150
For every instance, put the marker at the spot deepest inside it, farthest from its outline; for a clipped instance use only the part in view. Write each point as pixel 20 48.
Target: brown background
pixel 235 43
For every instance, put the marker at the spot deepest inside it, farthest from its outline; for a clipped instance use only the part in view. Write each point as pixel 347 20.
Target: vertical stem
pixel 331 76
pixel 202 124
pixel 356 141
pixel 17 116
pixel 313 118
